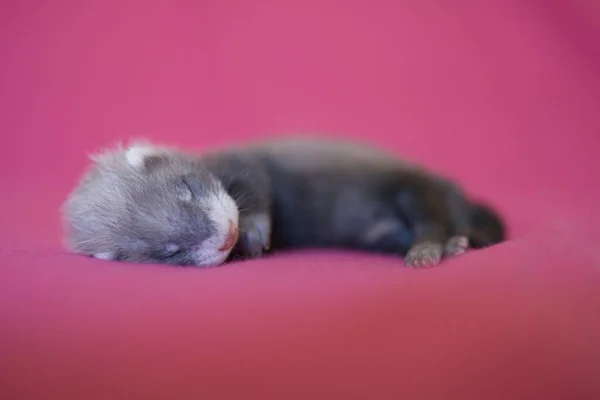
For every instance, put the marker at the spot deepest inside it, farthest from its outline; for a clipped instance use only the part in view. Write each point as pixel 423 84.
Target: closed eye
pixel 184 191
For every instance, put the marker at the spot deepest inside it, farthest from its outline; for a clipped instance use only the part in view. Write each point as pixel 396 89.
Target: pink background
pixel 504 96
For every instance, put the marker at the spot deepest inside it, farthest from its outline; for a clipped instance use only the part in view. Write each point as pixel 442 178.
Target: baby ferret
pixel 156 204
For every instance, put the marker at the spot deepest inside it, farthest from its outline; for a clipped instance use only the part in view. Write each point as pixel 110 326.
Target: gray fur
pixel 120 212
pixel 291 193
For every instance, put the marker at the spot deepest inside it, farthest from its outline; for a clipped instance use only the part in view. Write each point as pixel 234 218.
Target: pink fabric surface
pixel 503 96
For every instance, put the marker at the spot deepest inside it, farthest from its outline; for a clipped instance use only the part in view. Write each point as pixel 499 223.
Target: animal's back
pixel 327 192
pixel 306 154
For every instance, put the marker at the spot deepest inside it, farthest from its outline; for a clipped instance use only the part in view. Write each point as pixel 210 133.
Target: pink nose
pixel 232 237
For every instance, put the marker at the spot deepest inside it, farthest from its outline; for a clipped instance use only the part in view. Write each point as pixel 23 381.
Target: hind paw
pixel 456 245
pixel 426 254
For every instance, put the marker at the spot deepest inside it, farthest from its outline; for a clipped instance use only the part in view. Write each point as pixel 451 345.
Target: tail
pixel 487 227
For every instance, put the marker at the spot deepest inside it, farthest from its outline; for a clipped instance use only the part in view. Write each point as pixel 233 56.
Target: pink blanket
pixel 502 96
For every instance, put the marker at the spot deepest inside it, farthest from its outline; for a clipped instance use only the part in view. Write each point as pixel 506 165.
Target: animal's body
pixel 148 203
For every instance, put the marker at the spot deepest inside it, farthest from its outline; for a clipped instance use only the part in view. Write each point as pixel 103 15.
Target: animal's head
pixel 153 204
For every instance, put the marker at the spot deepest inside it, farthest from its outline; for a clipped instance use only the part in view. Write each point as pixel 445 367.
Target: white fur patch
pixel 136 155
pixel 171 248
pixel 105 256
pixel 221 210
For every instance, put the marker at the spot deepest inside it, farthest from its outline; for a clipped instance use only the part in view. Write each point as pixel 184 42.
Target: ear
pixel 144 156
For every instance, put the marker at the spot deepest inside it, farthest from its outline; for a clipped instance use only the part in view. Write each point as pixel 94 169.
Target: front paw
pixel 425 254
pixel 255 235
